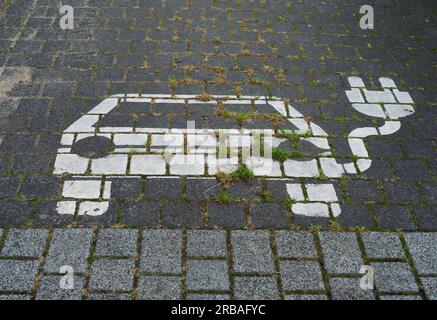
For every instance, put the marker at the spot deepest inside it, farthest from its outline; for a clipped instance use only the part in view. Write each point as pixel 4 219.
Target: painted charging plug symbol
pixel 163 152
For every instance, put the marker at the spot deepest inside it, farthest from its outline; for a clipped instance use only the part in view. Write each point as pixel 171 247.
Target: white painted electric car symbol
pixel 167 152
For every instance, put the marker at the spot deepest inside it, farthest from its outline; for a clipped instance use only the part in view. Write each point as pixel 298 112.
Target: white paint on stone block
pixel 187 165
pixel 70 163
pixel 224 165
pixel 82 189
pixel 130 139
pixel 385 96
pixel 356 82
pixel 358 148
pixel 387 83
pixel 299 168
pixel 93 208
pixel 355 95
pixel 373 110
pixel 396 111
pixel 149 164
pixel 66 207
pixel 331 168
pixel 403 97
pixel 295 191
pixel 264 167
pixel 321 192
pixel 112 164
pixel 311 209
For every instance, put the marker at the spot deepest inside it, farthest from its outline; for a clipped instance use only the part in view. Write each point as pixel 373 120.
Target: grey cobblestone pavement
pixel 178 232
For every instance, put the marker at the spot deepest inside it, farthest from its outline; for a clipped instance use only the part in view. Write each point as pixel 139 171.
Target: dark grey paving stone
pixel 394 277
pixel 422 249
pixel 69 247
pixel 163 188
pixel 182 214
pixel 25 243
pixel 268 215
pixel 161 251
pixel 277 189
pixel 203 243
pixel 247 191
pixel 40 188
pixel 414 170
pixel 383 245
pixel 197 296
pixel 159 288
pixel 295 244
pixel 361 191
pixel 355 216
pixel 301 275
pixel 46 215
pixel 112 275
pixel 226 215
pixel 341 252
pixel 126 188
pixel 251 251
pixel 107 219
pixel 8 187
pixel 140 214
pixel 116 242
pixel 430 287
pixel 430 191
pixel 255 288
pixel 426 217
pixel 207 275
pixel 401 193
pixel 201 189
pixel 304 297
pixel 17 275
pixel 15 213
pixel 307 222
pixel 50 289
pixel 108 296
pixel 349 289
pixel 394 217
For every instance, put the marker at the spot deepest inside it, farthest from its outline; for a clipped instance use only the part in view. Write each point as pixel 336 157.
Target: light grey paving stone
pixel 251 251
pixel 109 296
pixel 159 288
pixel 398 297
pixel 207 275
pixel 430 287
pixel 69 247
pixel 116 243
pixel 196 296
pixel 17 275
pixel 203 243
pixel 14 297
pixel 111 274
pixel 256 288
pixel 422 247
pixel 50 289
pixel 301 275
pixel 383 245
pixel 341 252
pixel 161 251
pixel 295 244
pixel 1 233
pixel 302 297
pixel 394 277
pixel 349 289
pixel 25 243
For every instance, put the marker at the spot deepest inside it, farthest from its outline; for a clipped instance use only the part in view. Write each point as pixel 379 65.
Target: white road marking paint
pixel 189 152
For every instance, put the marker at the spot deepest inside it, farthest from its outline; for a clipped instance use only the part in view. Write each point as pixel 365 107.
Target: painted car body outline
pixel 88 191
